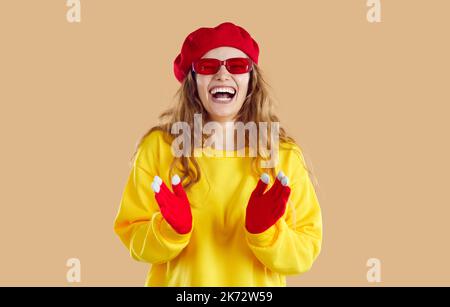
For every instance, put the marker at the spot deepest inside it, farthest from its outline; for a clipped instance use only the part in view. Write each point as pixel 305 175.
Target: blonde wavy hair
pixel 258 107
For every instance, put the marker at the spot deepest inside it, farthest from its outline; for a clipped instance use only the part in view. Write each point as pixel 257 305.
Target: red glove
pixel 175 207
pixel 264 209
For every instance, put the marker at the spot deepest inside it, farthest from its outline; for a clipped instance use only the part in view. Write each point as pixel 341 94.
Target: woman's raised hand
pixel 264 209
pixel 175 207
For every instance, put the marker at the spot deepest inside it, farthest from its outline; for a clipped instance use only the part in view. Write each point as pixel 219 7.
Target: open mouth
pixel 222 94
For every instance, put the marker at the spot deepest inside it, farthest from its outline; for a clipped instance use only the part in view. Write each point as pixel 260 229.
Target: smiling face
pixel 209 87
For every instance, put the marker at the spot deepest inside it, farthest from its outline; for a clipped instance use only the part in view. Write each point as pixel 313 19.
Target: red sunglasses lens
pixel 207 66
pixel 238 65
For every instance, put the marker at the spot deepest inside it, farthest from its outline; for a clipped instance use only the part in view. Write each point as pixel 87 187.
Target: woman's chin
pixel 218 109
pixel 223 111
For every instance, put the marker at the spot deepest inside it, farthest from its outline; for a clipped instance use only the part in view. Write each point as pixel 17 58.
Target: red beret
pixel 202 40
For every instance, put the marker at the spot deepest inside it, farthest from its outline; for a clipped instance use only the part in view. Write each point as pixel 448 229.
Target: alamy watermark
pixel 74 272
pixel 374 273
pixel 74 12
pixel 374 13
pixel 266 145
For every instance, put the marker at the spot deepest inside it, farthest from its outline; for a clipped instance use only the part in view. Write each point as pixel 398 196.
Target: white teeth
pixel 223 99
pixel 223 90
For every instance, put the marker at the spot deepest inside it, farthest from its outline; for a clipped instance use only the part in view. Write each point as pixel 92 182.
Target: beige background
pixel 368 103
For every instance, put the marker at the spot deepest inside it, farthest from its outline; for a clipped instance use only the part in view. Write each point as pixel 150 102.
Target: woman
pixel 223 223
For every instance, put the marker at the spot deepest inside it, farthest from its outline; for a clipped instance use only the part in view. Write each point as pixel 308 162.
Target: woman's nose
pixel 222 73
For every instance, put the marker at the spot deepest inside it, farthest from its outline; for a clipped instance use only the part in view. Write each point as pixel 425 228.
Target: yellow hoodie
pixel 218 251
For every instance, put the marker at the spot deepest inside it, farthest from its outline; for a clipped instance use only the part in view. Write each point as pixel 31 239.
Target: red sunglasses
pixel 209 66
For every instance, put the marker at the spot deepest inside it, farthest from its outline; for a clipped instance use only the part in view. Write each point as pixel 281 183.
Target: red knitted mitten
pixel 264 209
pixel 175 207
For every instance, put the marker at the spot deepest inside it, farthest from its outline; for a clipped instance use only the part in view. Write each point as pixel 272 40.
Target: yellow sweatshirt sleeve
pixel 139 222
pixel 292 245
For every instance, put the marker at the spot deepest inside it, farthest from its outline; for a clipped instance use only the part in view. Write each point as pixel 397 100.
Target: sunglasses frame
pixel 224 63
